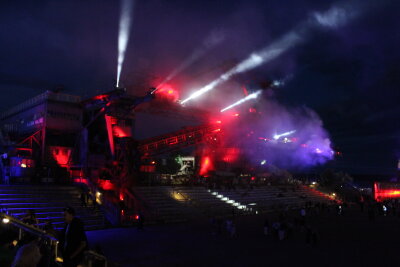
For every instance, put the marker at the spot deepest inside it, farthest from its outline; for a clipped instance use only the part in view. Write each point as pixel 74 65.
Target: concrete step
pixel 47 202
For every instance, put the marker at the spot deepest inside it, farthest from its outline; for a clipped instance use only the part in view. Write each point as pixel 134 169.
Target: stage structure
pixel 41 132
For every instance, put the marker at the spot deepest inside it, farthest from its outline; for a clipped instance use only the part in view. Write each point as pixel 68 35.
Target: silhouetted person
pixel 314 238
pixel 73 240
pixel 83 198
pixel 140 220
pixel 49 229
pixel 30 218
pixel 308 234
pixel 27 256
pixel 266 227
pixel 371 213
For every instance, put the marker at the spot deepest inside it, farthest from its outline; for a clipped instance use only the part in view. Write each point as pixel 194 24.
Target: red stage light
pixel 81 180
pixel 383 191
pixel 100 97
pixel 167 92
pixel 231 155
pixel 106 185
pixel 120 132
pixel 60 154
pixel 206 165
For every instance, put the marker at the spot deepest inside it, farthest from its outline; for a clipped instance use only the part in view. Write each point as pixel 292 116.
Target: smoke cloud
pixel 307 143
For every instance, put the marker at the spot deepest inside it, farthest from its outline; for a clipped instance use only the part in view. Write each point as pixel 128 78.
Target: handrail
pixel 92 254
pixel 29 228
pixel 96 255
pixel 40 233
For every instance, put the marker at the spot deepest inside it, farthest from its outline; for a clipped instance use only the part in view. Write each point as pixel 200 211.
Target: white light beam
pixel 123 35
pixel 247 98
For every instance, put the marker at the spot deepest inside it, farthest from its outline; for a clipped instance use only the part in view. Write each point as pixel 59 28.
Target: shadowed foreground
pixel 347 240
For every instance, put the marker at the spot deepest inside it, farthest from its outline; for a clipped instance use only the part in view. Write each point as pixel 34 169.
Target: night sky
pixel 348 74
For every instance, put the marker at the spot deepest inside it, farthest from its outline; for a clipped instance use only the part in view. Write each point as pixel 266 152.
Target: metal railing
pixel 90 256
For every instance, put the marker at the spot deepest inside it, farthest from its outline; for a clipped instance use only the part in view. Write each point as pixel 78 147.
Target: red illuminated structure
pixel 178 140
pixel 85 137
pixel 386 190
pixel 40 130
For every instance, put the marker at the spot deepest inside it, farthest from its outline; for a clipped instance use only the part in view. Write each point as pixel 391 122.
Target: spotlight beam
pixel 277 136
pixel 212 40
pixel 247 98
pixel 123 34
pixel 332 18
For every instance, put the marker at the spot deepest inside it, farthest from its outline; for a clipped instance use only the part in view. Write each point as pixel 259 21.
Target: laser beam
pixel 123 34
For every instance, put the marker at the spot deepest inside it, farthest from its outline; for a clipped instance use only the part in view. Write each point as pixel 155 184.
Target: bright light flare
pixel 123 35
pixel 247 98
pixel 277 136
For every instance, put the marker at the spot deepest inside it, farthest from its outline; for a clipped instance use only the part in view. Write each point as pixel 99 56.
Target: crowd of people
pixel 282 223
pixel 35 249
pixel 285 223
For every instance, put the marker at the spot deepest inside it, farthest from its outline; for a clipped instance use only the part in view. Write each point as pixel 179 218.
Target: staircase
pixel 167 204
pixel 162 206
pixel 316 194
pixel 48 201
pixel 248 201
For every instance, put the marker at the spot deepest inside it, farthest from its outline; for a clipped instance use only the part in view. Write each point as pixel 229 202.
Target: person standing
pixel 266 227
pixel 83 198
pixel 73 240
pixel 140 221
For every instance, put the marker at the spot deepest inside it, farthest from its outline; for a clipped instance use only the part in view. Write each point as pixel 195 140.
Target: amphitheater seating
pixel 161 204
pixel 180 203
pixel 48 201
pixel 262 199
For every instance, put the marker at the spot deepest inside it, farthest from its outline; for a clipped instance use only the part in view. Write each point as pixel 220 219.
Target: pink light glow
pixel 206 165
pixel 383 193
pixel 106 185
